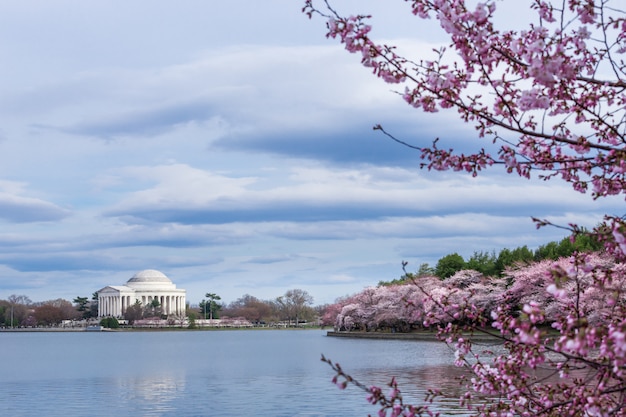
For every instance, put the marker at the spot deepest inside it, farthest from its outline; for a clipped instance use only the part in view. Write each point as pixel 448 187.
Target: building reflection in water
pixel 153 394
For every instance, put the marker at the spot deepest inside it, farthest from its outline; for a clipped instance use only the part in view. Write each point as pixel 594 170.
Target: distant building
pixel 144 286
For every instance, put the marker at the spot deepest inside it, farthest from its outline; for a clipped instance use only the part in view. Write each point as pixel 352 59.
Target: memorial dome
pixel 149 277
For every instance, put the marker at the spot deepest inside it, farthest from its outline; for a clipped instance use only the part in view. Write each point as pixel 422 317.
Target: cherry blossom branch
pixel 547 87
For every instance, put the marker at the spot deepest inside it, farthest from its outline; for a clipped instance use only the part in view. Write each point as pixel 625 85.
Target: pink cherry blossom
pixel 546 101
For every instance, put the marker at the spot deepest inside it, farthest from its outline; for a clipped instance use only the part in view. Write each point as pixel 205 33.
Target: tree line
pixel 294 307
pixel 419 301
pixel 491 264
pixel 20 311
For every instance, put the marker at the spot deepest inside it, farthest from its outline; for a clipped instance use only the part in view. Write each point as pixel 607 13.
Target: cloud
pixel 26 210
pixel 144 121
pixel 185 195
pixel 272 259
pixel 57 262
pixel 349 143
pixel 172 236
pixel 19 209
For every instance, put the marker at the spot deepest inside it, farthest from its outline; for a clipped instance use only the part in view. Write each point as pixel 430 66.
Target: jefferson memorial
pixel 144 286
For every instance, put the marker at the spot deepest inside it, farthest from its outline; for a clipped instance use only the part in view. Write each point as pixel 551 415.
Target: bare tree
pixel 18 310
pixel 294 304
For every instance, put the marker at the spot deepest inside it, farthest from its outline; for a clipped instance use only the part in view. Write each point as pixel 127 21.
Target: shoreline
pixel 415 336
pixel 144 329
pixel 47 329
pixel 419 336
pixel 423 336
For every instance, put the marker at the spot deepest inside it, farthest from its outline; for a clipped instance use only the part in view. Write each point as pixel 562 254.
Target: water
pixel 209 373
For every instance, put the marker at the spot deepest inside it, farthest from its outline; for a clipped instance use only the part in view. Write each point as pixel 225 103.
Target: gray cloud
pixel 27 210
pixel 143 121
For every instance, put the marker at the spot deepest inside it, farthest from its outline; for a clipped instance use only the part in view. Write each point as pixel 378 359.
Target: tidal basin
pixel 270 373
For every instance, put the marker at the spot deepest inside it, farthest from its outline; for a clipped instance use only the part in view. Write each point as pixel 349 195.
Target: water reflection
pixel 415 383
pixel 263 373
pixel 154 395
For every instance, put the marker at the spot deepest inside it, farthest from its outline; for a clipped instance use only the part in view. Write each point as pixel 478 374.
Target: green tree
pixel 508 257
pixel 82 305
pixel 110 323
pixel 585 242
pixel 93 306
pixel 154 308
pixel 566 247
pixel 449 265
pixel 212 306
pixel 203 306
pixel 523 254
pixel 483 262
pixel 425 270
pixel 547 251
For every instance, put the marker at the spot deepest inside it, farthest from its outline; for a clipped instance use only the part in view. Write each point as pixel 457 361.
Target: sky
pixel 230 146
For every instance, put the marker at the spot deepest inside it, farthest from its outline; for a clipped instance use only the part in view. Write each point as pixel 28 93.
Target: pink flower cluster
pixel 561 324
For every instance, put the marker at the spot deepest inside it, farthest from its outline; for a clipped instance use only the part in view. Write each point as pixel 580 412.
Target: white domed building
pixel 145 286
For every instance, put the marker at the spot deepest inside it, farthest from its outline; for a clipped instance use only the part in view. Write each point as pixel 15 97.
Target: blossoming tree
pixel 551 100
